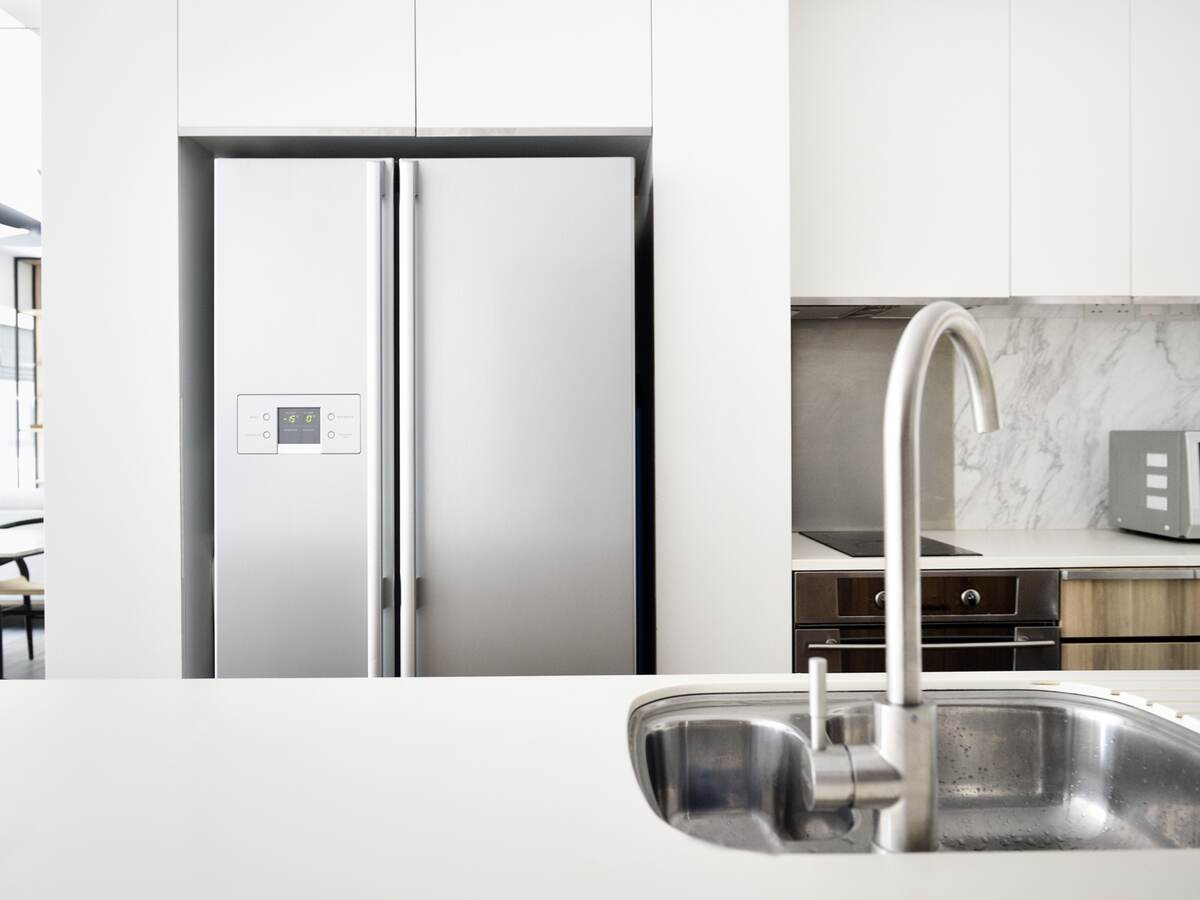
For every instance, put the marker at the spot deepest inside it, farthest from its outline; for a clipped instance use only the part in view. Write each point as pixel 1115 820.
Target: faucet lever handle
pixel 817 698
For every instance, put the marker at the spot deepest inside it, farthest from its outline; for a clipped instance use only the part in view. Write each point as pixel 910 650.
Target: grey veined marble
pixel 1064 383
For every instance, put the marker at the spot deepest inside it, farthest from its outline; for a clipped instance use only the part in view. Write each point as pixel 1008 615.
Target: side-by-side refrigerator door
pixel 516 407
pixel 303 303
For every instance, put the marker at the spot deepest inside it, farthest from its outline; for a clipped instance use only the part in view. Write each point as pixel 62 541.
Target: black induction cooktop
pixel 870 543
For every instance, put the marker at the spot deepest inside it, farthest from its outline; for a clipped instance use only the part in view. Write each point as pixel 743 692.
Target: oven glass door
pixel 946 648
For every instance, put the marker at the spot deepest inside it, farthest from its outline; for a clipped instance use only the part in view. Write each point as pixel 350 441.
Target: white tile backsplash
pixel 1065 378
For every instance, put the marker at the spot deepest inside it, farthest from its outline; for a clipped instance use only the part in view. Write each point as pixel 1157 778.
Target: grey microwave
pixel 1154 482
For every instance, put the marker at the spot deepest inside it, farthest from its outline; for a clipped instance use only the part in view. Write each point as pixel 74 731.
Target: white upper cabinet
pixel 1166 147
pixel 533 65
pixel 1070 147
pixel 304 66
pixel 900 148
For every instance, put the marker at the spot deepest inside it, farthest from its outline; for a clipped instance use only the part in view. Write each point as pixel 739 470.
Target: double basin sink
pixel 1017 770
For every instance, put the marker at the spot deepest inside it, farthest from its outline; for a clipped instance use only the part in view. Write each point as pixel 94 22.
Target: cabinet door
pixel 1166 147
pixel 899 148
pixel 258 66
pixel 1131 608
pixel 533 66
pixel 1070 147
pixel 1158 655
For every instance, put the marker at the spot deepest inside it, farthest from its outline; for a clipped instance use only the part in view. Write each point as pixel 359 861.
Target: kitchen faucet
pixel 896 776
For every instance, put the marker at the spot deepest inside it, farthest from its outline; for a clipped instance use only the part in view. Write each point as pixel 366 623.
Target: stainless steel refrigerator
pixel 424 406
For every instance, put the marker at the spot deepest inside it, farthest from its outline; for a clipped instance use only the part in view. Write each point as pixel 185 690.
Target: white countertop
pixel 441 788
pixel 1076 549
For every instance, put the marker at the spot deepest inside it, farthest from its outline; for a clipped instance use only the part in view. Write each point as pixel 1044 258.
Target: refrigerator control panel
pixel 299 423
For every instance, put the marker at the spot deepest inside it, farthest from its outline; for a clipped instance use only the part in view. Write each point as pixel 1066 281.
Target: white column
pixel 112 337
pixel 721 333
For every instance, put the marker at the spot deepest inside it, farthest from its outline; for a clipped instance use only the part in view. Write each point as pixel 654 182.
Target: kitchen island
pixel 505 787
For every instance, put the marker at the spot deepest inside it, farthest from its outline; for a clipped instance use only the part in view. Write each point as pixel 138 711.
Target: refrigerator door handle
pixel 406 395
pixel 383 614
pixel 376 420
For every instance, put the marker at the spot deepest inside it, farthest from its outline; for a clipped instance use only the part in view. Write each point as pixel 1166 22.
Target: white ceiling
pixel 21 93
pixel 26 12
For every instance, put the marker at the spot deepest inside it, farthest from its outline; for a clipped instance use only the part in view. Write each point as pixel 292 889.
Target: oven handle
pixel 967 645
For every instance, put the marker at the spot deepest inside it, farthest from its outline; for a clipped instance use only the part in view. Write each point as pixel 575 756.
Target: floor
pixel 17 663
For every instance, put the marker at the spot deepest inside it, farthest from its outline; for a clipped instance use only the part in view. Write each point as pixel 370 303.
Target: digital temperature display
pixel 299 425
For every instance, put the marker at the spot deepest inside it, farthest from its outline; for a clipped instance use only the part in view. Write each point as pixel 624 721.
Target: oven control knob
pixel 970 598
pixel 879 597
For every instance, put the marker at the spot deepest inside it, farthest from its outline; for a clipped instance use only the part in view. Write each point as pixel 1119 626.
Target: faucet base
pixel 906 737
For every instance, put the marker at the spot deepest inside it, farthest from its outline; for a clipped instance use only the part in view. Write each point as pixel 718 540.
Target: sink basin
pixel 1017 770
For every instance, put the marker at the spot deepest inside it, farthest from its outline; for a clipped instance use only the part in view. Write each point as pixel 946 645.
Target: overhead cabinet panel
pixel 1166 147
pixel 1070 147
pixel 301 67
pixel 533 66
pixel 900 148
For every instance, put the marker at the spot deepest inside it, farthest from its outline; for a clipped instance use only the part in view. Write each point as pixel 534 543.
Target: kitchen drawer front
pixel 1131 608
pixel 1132 655
pixel 821 598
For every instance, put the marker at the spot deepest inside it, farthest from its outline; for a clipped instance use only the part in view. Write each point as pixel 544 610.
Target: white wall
pixel 21 131
pixel 722 345
pixel 111 285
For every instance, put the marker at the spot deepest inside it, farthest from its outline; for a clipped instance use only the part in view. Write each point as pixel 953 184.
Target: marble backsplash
pixel 1065 378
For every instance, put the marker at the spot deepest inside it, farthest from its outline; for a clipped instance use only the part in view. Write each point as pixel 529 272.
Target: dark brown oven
pixel 972 621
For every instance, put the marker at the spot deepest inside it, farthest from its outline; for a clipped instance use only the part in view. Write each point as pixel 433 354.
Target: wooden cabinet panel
pixel 1132 656
pixel 1130 608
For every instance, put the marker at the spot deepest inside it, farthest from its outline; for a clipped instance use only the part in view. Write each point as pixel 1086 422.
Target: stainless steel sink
pixel 1017 770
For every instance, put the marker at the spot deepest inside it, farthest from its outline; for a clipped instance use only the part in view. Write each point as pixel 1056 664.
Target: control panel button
pixel 254 435
pixel 343 412
pixel 342 434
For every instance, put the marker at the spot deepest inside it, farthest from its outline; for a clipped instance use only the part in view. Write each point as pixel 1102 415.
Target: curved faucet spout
pixel 897 774
pixel 902 480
